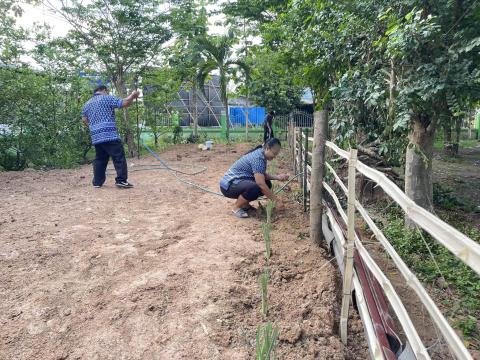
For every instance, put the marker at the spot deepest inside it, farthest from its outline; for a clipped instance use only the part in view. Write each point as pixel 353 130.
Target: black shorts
pixel 247 188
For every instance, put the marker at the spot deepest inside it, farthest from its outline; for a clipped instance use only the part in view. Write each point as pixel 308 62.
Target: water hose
pixel 175 173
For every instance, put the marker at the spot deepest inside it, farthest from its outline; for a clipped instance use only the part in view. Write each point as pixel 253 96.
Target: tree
pixel 219 56
pixel 189 23
pixel 11 36
pixel 123 37
pixel 270 85
pixel 390 71
pixel 160 87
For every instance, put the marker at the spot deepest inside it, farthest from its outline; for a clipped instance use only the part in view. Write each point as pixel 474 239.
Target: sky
pixel 59 26
pixel 41 14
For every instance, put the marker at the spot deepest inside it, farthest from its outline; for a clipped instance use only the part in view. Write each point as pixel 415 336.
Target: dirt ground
pixel 462 175
pixel 160 271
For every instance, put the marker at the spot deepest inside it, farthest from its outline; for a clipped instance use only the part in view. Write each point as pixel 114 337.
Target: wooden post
pixel 348 273
pixel 318 172
pixel 300 156
pixel 294 150
pixel 305 172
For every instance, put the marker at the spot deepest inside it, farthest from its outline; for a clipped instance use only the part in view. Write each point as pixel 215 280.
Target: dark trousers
pixel 267 134
pixel 247 188
pixel 104 151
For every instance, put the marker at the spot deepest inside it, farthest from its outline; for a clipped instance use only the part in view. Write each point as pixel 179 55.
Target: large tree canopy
pixel 123 38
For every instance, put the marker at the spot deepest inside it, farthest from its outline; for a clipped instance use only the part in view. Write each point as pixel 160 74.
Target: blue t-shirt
pixel 245 168
pixel 100 112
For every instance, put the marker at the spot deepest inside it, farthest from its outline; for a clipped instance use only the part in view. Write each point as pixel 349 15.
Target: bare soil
pixel 160 271
pixel 462 175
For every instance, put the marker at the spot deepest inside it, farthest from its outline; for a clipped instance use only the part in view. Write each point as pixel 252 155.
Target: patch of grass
pixel 444 197
pixel 461 284
pixel 270 207
pixel 264 291
pixel 468 143
pixel 266 229
pixel 266 342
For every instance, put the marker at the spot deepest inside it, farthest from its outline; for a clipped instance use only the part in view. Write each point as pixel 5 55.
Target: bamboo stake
pixel 300 156
pixel 305 173
pixel 347 278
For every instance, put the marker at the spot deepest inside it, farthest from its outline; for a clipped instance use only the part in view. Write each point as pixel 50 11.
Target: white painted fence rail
pixel 457 243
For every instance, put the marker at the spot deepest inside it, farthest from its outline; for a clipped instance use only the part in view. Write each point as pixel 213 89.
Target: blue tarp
pixel 256 115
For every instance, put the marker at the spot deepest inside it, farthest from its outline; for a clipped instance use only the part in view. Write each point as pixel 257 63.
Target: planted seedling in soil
pixel 270 206
pixel 266 228
pixel 267 341
pixel 264 291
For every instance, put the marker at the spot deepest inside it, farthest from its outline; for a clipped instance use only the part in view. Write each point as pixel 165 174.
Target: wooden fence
pixel 356 263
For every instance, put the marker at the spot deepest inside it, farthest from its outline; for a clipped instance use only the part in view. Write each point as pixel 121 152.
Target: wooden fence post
pixel 295 150
pixel 300 156
pixel 348 273
pixel 305 172
pixel 320 126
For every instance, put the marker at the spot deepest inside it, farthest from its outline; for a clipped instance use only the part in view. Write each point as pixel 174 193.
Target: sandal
pixel 240 213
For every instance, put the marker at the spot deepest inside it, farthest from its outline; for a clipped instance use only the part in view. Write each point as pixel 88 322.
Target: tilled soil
pixel 160 271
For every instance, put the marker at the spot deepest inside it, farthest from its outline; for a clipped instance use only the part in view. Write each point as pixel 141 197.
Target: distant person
pixel 247 179
pixel 268 126
pixel 99 115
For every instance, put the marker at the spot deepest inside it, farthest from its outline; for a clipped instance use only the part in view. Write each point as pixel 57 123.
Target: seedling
pixel 264 291
pixel 267 341
pixel 270 206
pixel 266 228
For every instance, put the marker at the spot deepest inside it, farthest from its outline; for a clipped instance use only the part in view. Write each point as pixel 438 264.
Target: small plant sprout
pixel 264 291
pixel 266 228
pixel 266 341
pixel 270 206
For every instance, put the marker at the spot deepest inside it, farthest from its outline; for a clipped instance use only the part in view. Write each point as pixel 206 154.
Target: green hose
pixel 175 173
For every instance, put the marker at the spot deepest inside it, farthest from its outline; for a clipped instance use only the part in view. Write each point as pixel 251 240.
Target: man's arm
pixel 129 99
pixel 85 120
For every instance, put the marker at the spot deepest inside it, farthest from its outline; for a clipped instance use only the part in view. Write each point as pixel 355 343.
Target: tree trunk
pixel 129 139
pixel 224 98
pixel 418 164
pixel 227 119
pixel 447 138
pixel 458 130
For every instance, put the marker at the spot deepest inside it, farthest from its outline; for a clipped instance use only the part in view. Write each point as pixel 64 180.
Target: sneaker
pixel 124 184
pixel 240 213
pixel 97 186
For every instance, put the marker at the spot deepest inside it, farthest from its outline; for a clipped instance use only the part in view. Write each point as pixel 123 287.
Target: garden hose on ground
pixel 175 173
pixel 146 167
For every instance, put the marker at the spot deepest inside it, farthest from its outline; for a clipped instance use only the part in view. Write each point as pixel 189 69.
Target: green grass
pixel 264 278
pixel 464 142
pixel 266 229
pixel 455 284
pixel 266 342
pixel 270 207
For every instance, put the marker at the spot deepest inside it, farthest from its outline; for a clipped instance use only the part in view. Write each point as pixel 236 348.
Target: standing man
pixel 268 126
pixel 99 115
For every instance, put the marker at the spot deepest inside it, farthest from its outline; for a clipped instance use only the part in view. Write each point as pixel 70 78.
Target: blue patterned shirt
pixel 245 168
pixel 100 112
